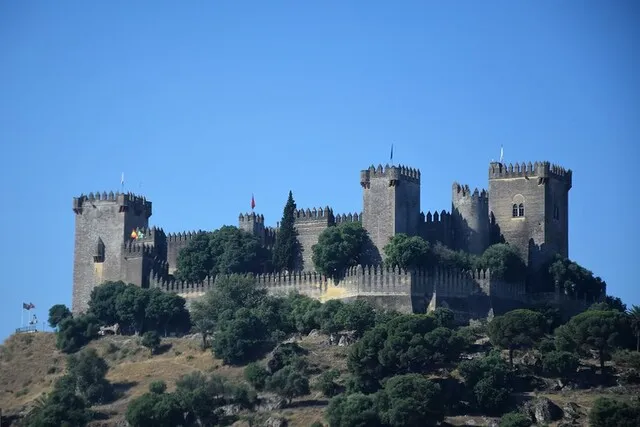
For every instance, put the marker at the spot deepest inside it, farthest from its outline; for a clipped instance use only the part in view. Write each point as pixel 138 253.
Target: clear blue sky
pixel 202 105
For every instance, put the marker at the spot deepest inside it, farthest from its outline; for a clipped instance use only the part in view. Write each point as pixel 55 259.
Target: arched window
pixel 517 208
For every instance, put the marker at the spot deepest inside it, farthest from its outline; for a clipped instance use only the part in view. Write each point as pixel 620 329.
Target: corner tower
pixel 530 206
pixel 103 223
pixel 470 215
pixel 391 202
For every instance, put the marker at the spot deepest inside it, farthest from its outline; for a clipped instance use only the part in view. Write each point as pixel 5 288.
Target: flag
pixel 134 235
pixel 253 202
pixel 391 152
pixel 122 179
pixel 501 153
pixel 28 306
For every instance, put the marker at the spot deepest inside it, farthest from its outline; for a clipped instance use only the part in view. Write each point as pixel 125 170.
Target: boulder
pixel 571 410
pixel 275 422
pixel 543 410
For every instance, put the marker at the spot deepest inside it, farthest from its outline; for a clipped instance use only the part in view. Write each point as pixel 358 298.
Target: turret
pixel 470 216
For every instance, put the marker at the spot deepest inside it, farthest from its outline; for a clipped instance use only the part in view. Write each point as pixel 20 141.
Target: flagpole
pixel 22 317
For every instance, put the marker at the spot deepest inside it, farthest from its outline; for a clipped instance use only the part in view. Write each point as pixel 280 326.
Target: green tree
pixel 339 248
pixel 75 332
pixel 131 307
pixel 57 313
pixel 151 340
pixel 444 317
pixel 504 262
pixel 353 410
pixel 576 280
pixel 86 373
pixel 517 329
pixel 409 252
pixel 102 302
pixel 607 412
pixel 286 251
pixel 560 363
pixel 227 250
pixel 155 410
pixel 515 419
pixel 489 380
pixel 634 316
pixel 61 407
pixel 326 383
pixel 195 261
pixel 166 312
pixel 288 383
pixel 410 400
pixel 602 331
pixel 256 375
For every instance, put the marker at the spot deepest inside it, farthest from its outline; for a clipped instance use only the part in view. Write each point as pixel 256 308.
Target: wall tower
pixel 530 204
pixel 470 217
pixel 103 223
pixel 391 202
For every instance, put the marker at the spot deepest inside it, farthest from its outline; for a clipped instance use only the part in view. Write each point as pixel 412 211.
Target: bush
pixel 609 412
pixel 158 387
pixel 515 419
pixel 326 383
pixel 151 340
pixel 256 375
pixel 560 363
pixel 628 359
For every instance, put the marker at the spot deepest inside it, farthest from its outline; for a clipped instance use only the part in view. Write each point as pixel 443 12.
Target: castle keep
pixel 526 206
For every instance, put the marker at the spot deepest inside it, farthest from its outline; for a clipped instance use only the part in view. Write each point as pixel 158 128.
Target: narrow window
pixel 515 210
pixel 521 209
pixel 556 212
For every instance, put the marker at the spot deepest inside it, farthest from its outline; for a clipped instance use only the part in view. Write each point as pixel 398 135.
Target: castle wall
pixel 309 224
pixel 437 227
pixel 175 243
pixel 102 220
pixel 532 185
pixel 470 219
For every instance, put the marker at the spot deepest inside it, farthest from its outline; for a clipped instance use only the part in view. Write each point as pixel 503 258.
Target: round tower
pixel 470 217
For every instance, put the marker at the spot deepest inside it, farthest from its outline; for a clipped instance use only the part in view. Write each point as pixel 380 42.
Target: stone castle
pixel 526 206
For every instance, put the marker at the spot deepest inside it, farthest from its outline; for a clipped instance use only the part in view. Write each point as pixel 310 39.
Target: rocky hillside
pixel 30 363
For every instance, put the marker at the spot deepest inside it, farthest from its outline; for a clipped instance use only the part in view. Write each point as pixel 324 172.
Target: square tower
pixel 103 223
pixel 391 203
pixel 530 207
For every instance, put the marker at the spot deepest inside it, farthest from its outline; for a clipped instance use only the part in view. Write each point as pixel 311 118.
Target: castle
pixel 526 206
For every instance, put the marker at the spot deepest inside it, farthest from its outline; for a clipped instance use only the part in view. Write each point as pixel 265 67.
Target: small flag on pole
pixel 122 180
pixel 253 202
pixel 501 153
pixel 28 306
pixel 391 153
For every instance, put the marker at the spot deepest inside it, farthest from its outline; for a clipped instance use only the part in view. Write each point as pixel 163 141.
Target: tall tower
pixel 470 216
pixel 104 223
pixel 391 202
pixel 530 204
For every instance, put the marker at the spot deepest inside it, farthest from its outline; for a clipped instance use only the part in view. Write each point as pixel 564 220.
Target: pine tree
pixel 286 251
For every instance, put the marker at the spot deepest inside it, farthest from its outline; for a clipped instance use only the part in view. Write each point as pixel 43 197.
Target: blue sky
pixel 202 105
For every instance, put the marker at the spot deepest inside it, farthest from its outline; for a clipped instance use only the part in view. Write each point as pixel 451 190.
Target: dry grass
pixel 29 364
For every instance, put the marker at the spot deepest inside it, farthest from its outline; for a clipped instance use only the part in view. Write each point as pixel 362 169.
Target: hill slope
pixel 30 363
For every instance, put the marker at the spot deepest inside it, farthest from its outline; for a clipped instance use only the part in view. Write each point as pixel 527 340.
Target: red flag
pixel 253 202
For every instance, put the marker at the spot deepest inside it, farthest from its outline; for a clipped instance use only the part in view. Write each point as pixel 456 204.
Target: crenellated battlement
pixel 543 169
pixel 251 217
pixel 435 217
pixel 394 174
pixel 350 217
pixel 125 201
pixel 319 214
pixel 461 192
pixel 133 248
pixel 183 236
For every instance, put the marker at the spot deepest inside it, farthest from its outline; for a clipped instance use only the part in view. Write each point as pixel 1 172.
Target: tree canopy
pixel 286 251
pixel 340 247
pixel 224 251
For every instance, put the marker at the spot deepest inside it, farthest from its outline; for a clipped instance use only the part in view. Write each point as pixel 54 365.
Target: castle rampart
pixel 526 206
pixel 175 243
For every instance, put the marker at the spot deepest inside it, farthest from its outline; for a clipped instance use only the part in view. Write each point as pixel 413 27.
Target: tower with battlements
pixel 103 223
pixel 526 206
pixel 529 204
pixel 391 203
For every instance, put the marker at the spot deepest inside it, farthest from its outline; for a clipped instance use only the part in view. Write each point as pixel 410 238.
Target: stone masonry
pixel 526 206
